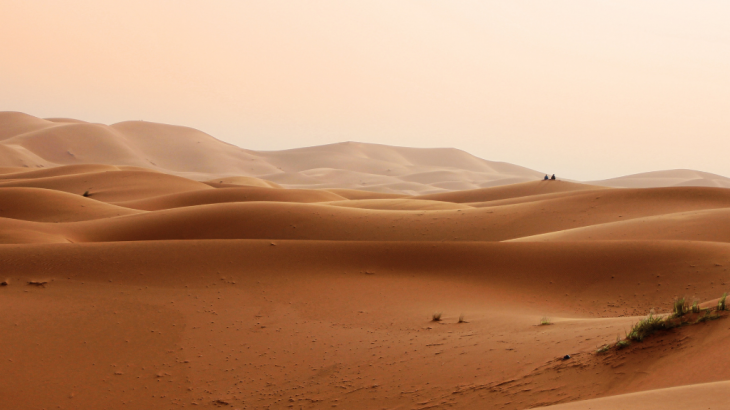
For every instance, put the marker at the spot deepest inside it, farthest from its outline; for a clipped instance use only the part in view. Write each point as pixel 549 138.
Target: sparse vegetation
pixel 646 327
pixel 545 321
pixel 461 318
pixel 680 307
pixel 651 324
pixel 87 194
pixel 707 316
pixel 436 317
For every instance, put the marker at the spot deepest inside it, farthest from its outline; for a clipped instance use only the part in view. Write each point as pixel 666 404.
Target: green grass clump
pixel 603 349
pixel 545 321
pixel 680 307
pixel 695 307
pixel 646 327
pixel 721 306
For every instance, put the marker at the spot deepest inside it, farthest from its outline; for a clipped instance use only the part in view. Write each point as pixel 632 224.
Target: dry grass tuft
pixel 436 317
pixel 545 321
pixel 679 308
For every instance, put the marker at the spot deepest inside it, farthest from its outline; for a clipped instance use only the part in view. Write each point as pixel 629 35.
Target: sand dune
pixel 675 177
pixel 45 205
pixel 706 225
pixel 239 194
pixel 59 171
pixel 152 266
pixel 357 194
pixel 221 214
pixel 508 191
pixel 112 186
pixel 400 204
pixel 244 181
pixel 32 142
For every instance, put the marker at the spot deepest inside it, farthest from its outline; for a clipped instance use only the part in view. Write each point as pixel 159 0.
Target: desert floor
pixel 131 288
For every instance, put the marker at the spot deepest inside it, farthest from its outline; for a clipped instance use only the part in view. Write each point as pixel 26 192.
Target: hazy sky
pixel 585 89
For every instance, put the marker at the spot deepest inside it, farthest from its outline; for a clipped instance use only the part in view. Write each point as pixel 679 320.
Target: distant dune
pixel 30 142
pixel 675 177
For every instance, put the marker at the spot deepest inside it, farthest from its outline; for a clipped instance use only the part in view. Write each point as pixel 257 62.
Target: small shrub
pixel 87 194
pixel 680 307
pixel 436 317
pixel 721 303
pixel 545 321
pixel 695 307
pixel 461 318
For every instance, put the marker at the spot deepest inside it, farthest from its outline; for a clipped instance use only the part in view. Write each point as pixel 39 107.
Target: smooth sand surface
pixel 710 396
pixel 161 268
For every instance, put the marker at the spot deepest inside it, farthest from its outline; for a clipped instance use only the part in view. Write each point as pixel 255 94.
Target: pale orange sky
pixel 585 89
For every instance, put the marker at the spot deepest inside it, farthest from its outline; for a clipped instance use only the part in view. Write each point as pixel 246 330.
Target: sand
pixel 131 285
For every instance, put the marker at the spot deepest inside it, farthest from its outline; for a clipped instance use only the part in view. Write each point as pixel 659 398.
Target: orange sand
pixel 160 291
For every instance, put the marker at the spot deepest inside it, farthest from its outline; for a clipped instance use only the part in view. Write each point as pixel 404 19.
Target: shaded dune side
pixel 113 186
pixel 237 194
pixel 508 191
pixel 705 225
pixel 45 205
